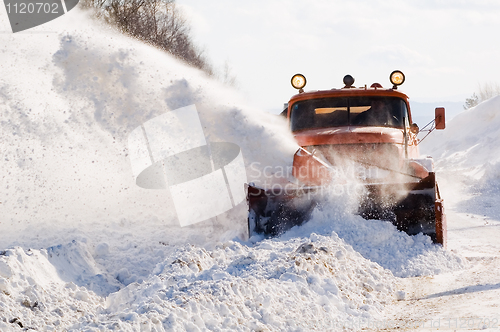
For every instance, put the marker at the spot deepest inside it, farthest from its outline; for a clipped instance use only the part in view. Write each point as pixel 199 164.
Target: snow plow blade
pixel 420 210
pixel 272 212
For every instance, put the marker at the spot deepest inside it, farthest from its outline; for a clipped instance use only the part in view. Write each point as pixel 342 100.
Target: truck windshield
pixel 352 111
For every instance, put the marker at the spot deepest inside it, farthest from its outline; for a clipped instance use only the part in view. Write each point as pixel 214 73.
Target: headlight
pixel 298 81
pixel 397 78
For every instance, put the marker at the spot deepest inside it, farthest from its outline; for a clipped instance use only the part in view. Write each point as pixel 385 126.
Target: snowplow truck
pixel 354 136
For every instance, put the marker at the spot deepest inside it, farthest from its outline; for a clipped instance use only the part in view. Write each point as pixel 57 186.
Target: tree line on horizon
pixel 156 22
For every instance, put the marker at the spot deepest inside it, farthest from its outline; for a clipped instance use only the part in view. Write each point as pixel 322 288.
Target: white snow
pixel 468 161
pixel 380 242
pixel 470 142
pixel 467 164
pixel 84 248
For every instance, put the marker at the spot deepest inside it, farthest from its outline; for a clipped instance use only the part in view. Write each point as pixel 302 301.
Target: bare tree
pixel 485 92
pixel 471 102
pixel 488 90
pixel 227 75
pixel 157 22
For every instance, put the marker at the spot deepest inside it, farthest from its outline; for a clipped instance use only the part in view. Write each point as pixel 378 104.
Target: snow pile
pixel 34 296
pixel 470 144
pixel 468 160
pixel 314 282
pixel 140 278
pixel 381 242
pixel 279 285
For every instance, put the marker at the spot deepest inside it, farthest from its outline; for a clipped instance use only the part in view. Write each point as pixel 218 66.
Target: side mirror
pixel 440 122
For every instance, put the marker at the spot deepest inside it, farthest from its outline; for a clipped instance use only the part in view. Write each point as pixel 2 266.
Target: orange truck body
pixel 413 202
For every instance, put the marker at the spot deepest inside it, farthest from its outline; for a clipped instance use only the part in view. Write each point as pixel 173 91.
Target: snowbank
pixel 278 285
pixel 332 272
pixel 468 160
pixel 470 144
pixel 33 294
pixel 381 242
pixel 314 282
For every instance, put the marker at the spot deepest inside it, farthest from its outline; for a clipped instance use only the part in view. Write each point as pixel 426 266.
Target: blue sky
pixel 445 47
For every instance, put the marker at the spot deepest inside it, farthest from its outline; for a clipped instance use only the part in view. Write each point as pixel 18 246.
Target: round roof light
pixel 298 81
pixel 397 78
pixel 348 81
